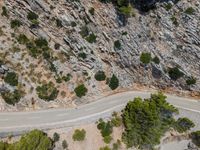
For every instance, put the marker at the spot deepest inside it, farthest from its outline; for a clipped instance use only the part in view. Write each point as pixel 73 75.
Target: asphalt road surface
pixel 19 122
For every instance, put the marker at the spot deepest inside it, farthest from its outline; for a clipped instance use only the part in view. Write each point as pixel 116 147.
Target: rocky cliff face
pixel 85 32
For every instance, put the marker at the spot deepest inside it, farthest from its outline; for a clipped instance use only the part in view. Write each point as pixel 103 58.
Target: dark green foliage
pixel 79 135
pixel 145 57
pixel 33 50
pixel 104 148
pixel 12 98
pixel 15 23
pixel 73 24
pixel 67 77
pixel 147 120
pixel 191 81
pixel 107 139
pixel 183 125
pixel 32 16
pixel 82 55
pixel 59 23
pixel 56 137
pixel 41 43
pixel 175 73
pixel 168 6
pixel 34 140
pixel 80 90
pixel 190 11
pixel 156 60
pixel 106 128
pixel 91 38
pixel 113 82
pixel 47 92
pixel 11 78
pixel 100 76
pixel 84 31
pixel 64 144
pixel 22 39
pixel 117 44
pixel 196 138
pixel 116 121
pixel 174 20
pixel 116 146
pixel 57 46
pixel 4 12
pixel 91 11
pixel 125 10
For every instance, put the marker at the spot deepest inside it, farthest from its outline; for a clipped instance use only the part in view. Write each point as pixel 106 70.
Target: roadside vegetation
pixel 34 140
pixel 79 135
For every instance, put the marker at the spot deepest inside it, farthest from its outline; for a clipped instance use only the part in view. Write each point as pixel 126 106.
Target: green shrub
pixel 147 120
pixel 196 138
pixel 107 139
pixel 168 6
pixel 116 146
pixel 156 60
pixel 15 23
pixel 12 98
pixel 104 148
pixel 174 20
pixel 91 11
pixel 80 90
pixel 56 137
pixel 32 16
pixel 126 10
pixel 82 55
pixel 191 81
pixel 190 11
pixel 175 73
pixel 113 82
pixel 100 76
pixel 116 121
pixel 11 78
pixel 34 140
pixel 145 57
pixel 67 77
pixel 41 43
pixel 22 39
pixel 117 44
pixel 106 128
pixel 84 31
pixel 59 23
pixel 79 135
pixel 33 50
pixel 91 38
pixel 4 12
pixel 64 144
pixel 183 125
pixel 47 92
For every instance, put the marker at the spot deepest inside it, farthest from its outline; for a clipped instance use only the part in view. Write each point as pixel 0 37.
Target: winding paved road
pixel 18 122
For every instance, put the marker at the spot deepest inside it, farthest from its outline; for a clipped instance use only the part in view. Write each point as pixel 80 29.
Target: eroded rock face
pixel 171 35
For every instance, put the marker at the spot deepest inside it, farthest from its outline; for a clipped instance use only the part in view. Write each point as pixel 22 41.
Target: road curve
pixel 18 122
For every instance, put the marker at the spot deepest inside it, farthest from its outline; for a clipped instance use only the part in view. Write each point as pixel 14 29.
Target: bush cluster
pixel 80 90
pixel 47 92
pixel 12 98
pixel 11 78
pixel 79 135
pixel 100 76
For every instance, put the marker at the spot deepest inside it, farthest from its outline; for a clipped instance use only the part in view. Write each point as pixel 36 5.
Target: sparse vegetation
pixel 4 12
pixel 56 137
pixel 105 148
pixel 156 60
pixel 196 138
pixel 190 11
pixel 79 135
pixel 100 76
pixel 91 11
pixel 15 24
pixel 11 78
pixel 80 90
pixel 32 16
pixel 91 38
pixel 82 55
pixel 183 125
pixel 175 73
pixel 22 39
pixel 191 81
pixel 12 98
pixel 64 144
pixel 145 57
pixel 117 44
pixel 113 82
pixel 47 92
